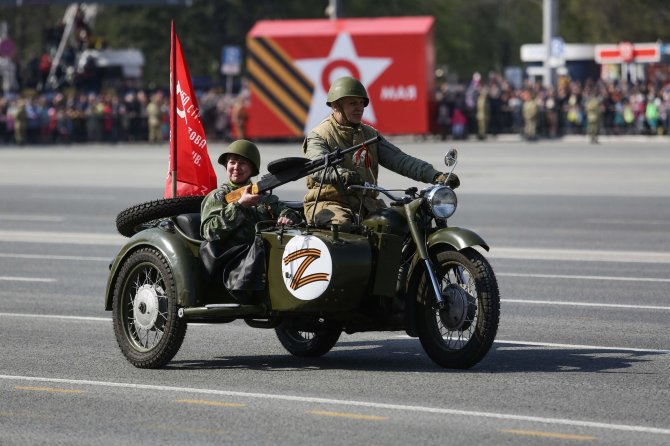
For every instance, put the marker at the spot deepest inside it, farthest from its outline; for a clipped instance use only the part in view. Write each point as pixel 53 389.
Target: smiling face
pixel 239 168
pixel 349 110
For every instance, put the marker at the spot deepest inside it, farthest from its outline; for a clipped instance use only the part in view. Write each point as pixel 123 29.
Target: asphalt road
pixel 579 237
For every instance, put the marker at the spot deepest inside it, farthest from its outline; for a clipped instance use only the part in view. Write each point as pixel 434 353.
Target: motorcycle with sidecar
pixel 402 268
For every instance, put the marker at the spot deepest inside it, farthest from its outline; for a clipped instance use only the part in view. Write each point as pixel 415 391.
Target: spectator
pixel 483 113
pixel 458 120
pixel 530 112
pixel 20 122
pixel 551 113
pixel 240 115
pixel 593 115
pixel 154 119
pixel 651 113
pixel 4 135
pixel 443 115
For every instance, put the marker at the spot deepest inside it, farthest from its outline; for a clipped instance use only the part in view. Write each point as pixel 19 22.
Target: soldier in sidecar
pixel 229 227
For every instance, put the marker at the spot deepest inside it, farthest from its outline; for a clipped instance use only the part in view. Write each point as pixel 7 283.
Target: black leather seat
pixel 189 224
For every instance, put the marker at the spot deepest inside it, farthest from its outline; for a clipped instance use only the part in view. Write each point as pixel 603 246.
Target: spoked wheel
pixel 307 343
pixel 146 325
pixel 461 334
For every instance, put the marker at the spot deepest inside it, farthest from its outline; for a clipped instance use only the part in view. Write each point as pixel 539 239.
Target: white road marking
pixel 74 197
pixel 349 403
pixel 57 316
pixel 581 347
pixel 73 238
pixel 8 255
pixel 79 318
pixel 568 276
pixel 585 304
pixel 42 218
pixel 570 346
pixel 579 255
pixel 25 279
pixel 404 336
pixel 605 221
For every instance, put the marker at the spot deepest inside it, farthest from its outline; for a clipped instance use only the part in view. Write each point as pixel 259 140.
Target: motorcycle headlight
pixel 442 201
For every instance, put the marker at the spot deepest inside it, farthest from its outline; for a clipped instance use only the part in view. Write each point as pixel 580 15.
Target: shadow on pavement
pixel 407 355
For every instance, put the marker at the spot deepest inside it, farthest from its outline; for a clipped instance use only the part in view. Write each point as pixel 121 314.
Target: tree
pixel 470 35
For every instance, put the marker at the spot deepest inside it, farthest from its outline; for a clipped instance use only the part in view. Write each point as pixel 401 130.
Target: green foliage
pixel 481 35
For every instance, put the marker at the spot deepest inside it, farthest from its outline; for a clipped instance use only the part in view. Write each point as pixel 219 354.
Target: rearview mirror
pixel 451 157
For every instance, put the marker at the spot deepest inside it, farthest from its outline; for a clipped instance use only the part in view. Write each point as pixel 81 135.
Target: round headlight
pixel 442 201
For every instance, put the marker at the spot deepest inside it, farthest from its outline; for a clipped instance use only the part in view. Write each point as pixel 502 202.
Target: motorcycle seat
pixel 189 224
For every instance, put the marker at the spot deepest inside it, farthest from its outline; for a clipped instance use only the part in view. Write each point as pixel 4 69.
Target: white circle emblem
pixel 306 267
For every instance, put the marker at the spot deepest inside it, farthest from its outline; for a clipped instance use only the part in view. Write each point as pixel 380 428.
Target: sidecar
pixel 319 283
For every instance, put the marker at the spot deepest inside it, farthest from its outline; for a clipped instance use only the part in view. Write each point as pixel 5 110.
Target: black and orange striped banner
pixel 278 83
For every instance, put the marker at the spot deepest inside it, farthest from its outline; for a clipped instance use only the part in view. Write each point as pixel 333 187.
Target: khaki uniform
pixel 20 123
pixel 530 118
pixel 336 204
pixel 483 114
pixel 593 118
pixel 235 224
pixel 154 121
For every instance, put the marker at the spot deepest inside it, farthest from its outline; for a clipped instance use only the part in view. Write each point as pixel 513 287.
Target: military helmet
pixel 246 149
pixel 346 86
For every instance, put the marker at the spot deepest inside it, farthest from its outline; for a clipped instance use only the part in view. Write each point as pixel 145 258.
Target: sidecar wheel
pixel 138 217
pixel 307 343
pixel 146 324
pixel 461 335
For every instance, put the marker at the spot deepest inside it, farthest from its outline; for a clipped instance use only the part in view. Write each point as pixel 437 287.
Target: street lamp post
pixel 333 11
pixel 549 28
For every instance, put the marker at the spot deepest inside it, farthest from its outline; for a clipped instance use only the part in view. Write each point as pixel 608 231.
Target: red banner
pixel 189 159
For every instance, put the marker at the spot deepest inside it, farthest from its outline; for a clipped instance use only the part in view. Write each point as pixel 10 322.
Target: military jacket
pixel 329 135
pixel 235 224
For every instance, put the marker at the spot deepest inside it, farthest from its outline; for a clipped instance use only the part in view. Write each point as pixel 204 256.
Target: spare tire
pixel 132 220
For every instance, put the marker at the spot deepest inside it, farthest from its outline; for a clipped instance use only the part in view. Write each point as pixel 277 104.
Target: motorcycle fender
pixel 181 256
pixel 457 238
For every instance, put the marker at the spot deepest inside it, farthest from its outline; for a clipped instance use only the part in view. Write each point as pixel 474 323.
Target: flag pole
pixel 173 107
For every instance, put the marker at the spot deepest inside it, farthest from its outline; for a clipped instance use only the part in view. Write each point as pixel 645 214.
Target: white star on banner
pixel 342 61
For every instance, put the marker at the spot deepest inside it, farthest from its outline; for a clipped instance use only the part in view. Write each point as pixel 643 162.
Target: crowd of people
pixel 479 109
pixel 492 106
pixel 136 116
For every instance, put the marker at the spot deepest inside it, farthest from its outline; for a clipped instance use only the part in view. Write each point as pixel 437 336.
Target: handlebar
pixel 409 193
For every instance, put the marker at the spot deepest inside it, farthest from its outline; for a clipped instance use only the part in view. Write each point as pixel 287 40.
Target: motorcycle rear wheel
pixel 460 336
pixel 144 310
pixel 307 343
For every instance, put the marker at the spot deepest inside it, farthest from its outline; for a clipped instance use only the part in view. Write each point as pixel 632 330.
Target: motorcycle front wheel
pixel 459 335
pixel 307 343
pixel 144 310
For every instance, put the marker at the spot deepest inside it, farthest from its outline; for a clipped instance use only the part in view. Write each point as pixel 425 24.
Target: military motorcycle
pixel 402 268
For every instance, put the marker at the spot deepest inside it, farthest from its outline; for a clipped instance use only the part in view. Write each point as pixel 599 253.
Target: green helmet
pixel 346 86
pixel 246 149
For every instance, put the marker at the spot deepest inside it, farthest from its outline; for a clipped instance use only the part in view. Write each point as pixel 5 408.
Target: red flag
pixel 189 159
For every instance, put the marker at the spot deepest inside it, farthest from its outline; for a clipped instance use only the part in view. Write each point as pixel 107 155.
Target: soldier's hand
pixel 351 177
pixel 284 221
pixel 248 199
pixel 453 181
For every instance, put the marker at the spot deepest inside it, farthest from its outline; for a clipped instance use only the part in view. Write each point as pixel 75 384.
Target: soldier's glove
pixel 351 177
pixel 453 181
